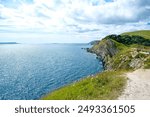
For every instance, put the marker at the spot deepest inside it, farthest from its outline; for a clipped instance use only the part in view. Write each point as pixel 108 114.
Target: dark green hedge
pixel 128 40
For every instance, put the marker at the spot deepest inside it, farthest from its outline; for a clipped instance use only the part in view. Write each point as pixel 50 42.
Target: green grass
pixel 120 46
pixel 147 63
pixel 123 58
pixel 106 85
pixel 142 33
pixel 145 34
pixel 101 43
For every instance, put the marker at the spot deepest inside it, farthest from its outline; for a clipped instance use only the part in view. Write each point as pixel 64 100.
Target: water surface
pixel 31 71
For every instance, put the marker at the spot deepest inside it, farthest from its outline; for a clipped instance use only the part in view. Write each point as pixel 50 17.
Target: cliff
pixel 105 50
pixel 119 53
pixel 123 52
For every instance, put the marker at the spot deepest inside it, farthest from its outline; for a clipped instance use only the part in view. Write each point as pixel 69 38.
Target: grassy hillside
pixel 142 33
pixel 107 85
pixel 132 57
pixel 119 56
pixel 129 40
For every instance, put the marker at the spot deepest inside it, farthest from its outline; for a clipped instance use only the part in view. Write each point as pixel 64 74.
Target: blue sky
pixel 52 21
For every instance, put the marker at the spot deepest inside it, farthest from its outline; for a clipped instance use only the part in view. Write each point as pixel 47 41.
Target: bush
pixel 128 40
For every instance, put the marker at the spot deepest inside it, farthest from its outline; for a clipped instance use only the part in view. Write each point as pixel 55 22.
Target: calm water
pixel 31 71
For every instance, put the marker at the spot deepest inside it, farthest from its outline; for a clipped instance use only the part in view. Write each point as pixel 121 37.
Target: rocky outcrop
pixel 130 58
pixel 116 55
pixel 105 50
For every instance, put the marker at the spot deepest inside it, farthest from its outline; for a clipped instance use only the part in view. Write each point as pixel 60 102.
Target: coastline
pixel 119 57
pixel 119 81
pixel 106 85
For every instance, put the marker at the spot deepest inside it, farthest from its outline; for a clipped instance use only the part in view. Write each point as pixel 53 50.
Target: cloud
pixel 74 17
pixel 79 29
pixel 117 12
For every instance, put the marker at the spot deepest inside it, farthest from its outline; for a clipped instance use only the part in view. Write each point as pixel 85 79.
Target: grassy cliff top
pixel 130 54
pixel 142 33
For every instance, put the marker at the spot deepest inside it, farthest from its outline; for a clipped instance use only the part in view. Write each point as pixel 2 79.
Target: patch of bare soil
pixel 138 86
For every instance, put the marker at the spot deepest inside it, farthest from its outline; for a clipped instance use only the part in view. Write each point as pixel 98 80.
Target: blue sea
pixel 29 71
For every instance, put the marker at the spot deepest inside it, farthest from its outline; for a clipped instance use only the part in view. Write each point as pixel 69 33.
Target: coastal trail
pixel 138 85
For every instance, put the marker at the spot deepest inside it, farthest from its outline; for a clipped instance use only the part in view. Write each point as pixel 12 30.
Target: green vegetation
pixel 125 59
pixel 101 43
pixel 142 33
pixel 106 85
pixel 120 46
pixel 134 50
pixel 147 64
pixel 128 40
pixel 120 53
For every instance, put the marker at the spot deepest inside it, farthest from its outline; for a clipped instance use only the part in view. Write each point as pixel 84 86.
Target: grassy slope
pixel 142 33
pixel 145 34
pixel 126 55
pixel 106 85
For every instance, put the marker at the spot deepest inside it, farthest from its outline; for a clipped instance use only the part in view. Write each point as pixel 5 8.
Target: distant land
pixel 94 42
pixel 8 43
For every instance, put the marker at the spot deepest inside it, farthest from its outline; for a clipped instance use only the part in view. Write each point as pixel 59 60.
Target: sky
pixel 70 21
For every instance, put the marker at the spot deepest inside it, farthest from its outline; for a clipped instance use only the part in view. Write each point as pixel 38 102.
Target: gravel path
pixel 138 86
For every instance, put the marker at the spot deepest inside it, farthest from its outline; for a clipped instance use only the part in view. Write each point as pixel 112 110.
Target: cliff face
pixel 105 49
pixel 116 55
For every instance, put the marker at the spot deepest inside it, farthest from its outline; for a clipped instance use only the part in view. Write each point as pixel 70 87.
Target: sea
pixel 30 71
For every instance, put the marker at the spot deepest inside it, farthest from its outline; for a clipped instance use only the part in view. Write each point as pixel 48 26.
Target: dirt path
pixel 138 86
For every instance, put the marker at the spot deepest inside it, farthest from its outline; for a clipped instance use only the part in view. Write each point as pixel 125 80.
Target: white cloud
pixel 120 11
pixel 74 17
